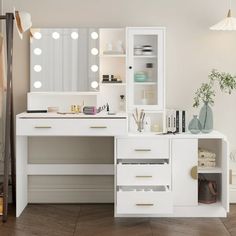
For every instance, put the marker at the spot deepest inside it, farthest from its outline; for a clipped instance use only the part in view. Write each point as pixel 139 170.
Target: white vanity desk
pixel 178 199
pixel 50 124
pixel 154 175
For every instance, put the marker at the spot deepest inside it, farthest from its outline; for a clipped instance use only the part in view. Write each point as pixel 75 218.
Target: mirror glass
pixel 64 60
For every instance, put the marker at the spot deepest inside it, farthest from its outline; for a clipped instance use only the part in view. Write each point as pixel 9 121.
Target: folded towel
pixel 204 153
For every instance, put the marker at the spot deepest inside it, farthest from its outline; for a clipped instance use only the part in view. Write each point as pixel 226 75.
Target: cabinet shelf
pixel 113 55
pixel 145 83
pixel 113 84
pixel 209 170
pixel 145 56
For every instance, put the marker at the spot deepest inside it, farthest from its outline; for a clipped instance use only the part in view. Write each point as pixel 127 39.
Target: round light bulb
pixel 37 68
pixel 37 35
pixel 94 51
pixel 37 51
pixel 37 84
pixel 94 35
pixel 94 68
pixel 74 35
pixel 55 35
pixel 94 84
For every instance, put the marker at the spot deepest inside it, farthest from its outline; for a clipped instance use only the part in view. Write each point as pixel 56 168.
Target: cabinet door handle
pixel 142 150
pixel 194 172
pixel 43 127
pixel 144 204
pixel 143 176
pixel 98 127
pixel 130 67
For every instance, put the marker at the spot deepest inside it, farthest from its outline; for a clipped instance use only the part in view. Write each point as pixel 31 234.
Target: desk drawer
pixel 142 148
pixel 71 127
pixel 144 202
pixel 139 174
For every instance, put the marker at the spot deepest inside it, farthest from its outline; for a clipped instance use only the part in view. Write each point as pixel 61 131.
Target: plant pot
pixel 206 118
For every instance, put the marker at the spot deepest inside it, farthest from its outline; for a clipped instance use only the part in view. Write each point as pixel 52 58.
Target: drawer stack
pixel 143 176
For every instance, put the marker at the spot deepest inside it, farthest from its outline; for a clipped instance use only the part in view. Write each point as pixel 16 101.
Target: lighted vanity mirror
pixel 64 60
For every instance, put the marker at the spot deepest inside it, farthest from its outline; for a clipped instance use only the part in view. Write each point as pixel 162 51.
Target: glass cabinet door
pixel 146 68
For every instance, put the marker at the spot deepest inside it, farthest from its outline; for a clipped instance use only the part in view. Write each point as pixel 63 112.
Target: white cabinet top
pixel 52 115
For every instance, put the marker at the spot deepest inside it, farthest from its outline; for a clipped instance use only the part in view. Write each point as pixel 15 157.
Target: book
pixel 183 122
pixel 175 121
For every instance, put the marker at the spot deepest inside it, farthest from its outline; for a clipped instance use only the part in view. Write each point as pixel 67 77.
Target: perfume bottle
pixel 122 103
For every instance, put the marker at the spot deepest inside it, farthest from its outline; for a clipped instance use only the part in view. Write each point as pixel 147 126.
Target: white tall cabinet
pixel 146 92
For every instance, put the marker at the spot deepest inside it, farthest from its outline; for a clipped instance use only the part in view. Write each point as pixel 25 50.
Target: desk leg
pixel 21 174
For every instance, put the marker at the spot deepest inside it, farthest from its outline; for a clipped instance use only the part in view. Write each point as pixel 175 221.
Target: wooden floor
pixel 98 220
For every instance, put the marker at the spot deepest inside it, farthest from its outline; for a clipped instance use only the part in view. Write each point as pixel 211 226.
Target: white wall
pixel 192 49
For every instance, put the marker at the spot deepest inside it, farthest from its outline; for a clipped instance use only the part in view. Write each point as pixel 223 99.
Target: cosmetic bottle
pixel 122 103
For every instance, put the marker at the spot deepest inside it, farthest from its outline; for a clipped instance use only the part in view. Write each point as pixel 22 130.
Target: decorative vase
pixel 206 118
pixel 195 126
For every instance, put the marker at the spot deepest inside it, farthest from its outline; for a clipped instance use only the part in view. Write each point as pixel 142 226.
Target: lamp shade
pixel 229 23
pixel 23 22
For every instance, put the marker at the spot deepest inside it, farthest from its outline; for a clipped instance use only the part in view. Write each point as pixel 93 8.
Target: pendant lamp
pixel 227 24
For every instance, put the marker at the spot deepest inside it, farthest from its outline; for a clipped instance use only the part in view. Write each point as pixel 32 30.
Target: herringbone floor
pixel 98 220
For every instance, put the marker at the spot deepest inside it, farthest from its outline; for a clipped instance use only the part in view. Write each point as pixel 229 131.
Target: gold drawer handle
pixel 98 127
pixel 143 176
pixel 43 127
pixel 142 150
pixel 144 204
pixel 194 172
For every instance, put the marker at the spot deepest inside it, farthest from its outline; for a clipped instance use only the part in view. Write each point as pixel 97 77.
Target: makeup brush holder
pixel 140 125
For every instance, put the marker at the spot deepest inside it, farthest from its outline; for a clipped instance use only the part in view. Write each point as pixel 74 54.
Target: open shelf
pixel 113 55
pixel 145 83
pixel 145 56
pixel 113 84
pixel 209 170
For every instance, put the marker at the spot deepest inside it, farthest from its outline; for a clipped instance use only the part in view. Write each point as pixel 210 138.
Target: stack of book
pixel 175 121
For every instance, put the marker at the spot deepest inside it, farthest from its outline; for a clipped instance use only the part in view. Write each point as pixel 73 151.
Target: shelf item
pixel 140 76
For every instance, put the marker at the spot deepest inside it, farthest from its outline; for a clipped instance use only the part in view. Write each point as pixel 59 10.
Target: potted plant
pixel 206 94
